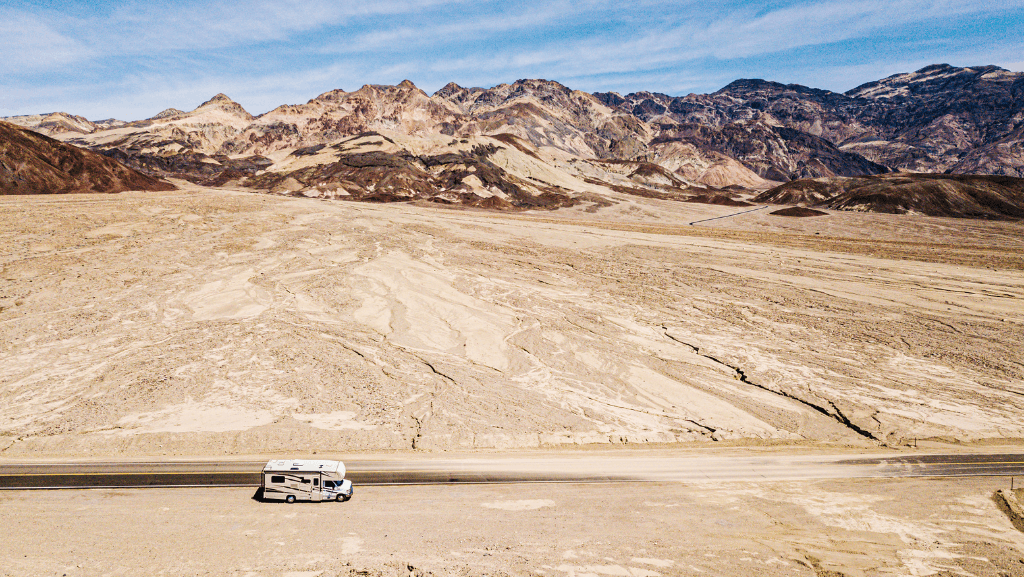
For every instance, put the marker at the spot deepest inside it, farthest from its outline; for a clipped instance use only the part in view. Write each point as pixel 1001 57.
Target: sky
pixel 130 60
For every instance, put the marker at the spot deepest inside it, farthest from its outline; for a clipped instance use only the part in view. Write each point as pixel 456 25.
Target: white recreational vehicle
pixel 305 481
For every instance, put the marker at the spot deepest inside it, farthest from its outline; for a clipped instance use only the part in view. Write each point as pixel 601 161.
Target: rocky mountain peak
pixel 401 92
pixel 546 91
pixel 222 102
pixel 612 99
pixel 541 85
pixel 756 87
pixel 219 98
pixel 329 96
pixel 449 91
pixel 167 113
pixel 109 123
pixel 946 69
pixel 407 87
pixel 931 68
pixel 749 84
pixel 932 79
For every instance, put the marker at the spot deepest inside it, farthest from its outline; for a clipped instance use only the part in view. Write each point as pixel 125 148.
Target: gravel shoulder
pixel 849 527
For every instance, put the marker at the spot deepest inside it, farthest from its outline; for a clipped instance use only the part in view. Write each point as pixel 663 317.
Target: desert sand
pixel 213 322
pixel 795 528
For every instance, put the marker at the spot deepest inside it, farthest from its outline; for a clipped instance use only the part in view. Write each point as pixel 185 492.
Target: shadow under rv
pixel 292 481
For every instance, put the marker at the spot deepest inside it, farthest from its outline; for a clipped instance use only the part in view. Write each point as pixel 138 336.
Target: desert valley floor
pixel 211 322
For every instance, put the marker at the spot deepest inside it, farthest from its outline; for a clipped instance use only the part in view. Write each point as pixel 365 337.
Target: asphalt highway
pixel 588 469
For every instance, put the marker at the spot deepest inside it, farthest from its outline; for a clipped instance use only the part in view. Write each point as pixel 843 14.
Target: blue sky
pixel 130 60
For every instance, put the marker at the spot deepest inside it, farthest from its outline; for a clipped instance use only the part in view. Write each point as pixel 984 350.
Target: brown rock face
pixel 337 114
pixel 1004 156
pixel 57 123
pixel 465 178
pixel 940 118
pixel 779 132
pixel 548 114
pixel 798 211
pixel 31 163
pixel 772 152
pixel 957 196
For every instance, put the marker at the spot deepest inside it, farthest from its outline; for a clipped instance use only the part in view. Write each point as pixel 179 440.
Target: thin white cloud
pixel 28 41
pixel 742 34
pixel 155 27
pixel 461 30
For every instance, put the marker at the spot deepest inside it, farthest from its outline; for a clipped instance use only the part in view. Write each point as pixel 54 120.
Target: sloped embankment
pixel 1012 503
pixel 31 163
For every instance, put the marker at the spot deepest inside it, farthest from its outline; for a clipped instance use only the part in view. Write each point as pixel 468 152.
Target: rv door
pixel 316 491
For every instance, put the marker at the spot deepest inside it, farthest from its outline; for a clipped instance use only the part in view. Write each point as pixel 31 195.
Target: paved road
pixel 517 470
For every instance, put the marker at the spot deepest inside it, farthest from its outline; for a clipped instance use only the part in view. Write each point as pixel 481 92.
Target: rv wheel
pixel 340 498
pixel 290 499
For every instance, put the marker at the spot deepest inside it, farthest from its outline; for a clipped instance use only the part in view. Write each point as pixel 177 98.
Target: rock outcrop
pixel 958 196
pixel 31 163
pixel 548 114
pixel 337 114
pixel 356 169
pixel 55 124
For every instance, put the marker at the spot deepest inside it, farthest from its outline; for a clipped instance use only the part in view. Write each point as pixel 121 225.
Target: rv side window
pixel 316 482
pixel 306 481
pixel 277 479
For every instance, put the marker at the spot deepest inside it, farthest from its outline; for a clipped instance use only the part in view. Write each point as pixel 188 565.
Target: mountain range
pixel 537 143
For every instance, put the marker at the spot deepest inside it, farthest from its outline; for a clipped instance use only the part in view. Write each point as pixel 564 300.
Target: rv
pixel 292 481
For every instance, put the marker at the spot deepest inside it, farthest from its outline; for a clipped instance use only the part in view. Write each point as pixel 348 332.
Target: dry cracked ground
pixel 211 322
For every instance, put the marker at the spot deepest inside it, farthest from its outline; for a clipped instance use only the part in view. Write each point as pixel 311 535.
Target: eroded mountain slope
pixel 949 195
pixel 31 163
pixel 930 120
